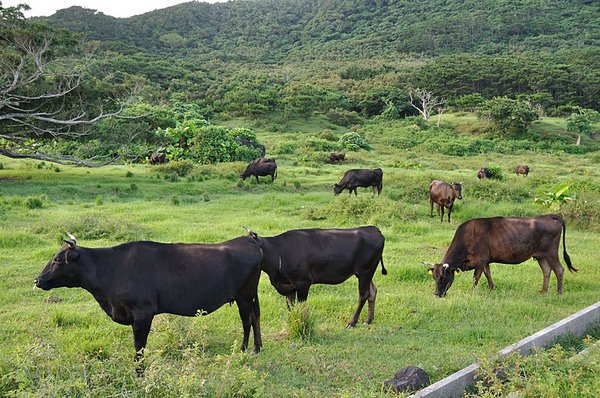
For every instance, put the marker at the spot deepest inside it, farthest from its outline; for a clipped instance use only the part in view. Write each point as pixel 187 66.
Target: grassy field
pixel 71 348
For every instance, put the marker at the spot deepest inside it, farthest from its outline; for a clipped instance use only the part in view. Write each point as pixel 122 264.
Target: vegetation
pixel 71 348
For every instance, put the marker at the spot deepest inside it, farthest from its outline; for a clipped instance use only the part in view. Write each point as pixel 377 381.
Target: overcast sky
pixel 116 8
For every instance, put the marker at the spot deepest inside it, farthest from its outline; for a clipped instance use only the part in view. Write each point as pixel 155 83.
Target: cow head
pixel 337 189
pixel 457 189
pixel 63 270
pixel 443 275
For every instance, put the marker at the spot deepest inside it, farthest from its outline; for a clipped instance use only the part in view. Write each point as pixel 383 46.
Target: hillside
pixel 276 30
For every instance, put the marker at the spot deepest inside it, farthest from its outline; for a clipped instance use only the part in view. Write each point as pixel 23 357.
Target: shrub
pixel 179 167
pixel 1 166
pixel 495 173
pixel 555 198
pixel 328 135
pixel 285 148
pixel 129 174
pixel 319 144
pixel 35 202
pixel 342 117
pixel 353 138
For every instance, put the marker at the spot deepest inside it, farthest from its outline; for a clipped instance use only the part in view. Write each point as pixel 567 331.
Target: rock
pixel 411 378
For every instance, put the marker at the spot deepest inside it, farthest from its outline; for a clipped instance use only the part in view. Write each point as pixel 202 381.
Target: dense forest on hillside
pixel 346 60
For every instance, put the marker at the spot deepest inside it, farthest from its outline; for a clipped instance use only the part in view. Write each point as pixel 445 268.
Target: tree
pixel 44 94
pixel 581 122
pixel 425 102
pixel 511 117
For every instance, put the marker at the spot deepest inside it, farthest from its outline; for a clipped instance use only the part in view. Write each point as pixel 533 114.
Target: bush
pixel 342 117
pixel 353 140
pixel 285 148
pixel 179 167
pixel 35 202
pixel 319 144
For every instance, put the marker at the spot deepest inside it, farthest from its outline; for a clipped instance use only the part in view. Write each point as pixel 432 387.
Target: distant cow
pixel 483 173
pixel 264 160
pixel 260 169
pixel 299 258
pixel 522 169
pixel 335 157
pixel 355 178
pixel 135 281
pixel 481 241
pixel 443 194
pixel 158 157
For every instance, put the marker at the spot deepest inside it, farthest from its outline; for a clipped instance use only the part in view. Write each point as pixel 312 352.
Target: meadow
pixel 60 343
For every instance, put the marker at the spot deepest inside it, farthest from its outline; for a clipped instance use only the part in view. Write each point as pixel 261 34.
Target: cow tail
pixel 383 270
pixel 565 255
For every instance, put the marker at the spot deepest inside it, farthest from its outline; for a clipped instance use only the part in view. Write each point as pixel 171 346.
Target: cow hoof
pixel 350 326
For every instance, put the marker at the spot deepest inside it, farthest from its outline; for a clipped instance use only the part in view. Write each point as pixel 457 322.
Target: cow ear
pixel 456 271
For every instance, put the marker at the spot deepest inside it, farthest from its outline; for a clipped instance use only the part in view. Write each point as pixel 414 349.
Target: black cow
pixel 299 258
pixel 355 178
pixel 260 169
pixel 158 157
pixel 135 281
pixel 483 173
pixel 335 157
pixel 481 241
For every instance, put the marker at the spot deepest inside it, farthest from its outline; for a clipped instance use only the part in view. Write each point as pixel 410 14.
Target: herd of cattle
pixel 135 281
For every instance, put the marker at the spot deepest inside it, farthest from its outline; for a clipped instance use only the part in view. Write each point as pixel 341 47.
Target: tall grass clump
pixel 300 323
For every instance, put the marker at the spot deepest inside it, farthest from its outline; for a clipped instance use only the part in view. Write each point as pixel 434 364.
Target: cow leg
pixel 364 290
pixel 302 291
pixel 442 209
pixel 488 275
pixel 355 193
pixel 546 271
pixel 257 182
pixel 449 212
pixel 558 271
pixel 245 309
pixel 430 208
pixel 256 325
pixel 371 302
pixel 477 275
pixel 141 329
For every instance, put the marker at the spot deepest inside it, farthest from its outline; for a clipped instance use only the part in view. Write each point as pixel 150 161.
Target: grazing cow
pixel 355 178
pixel 264 160
pixel 299 258
pixel 483 173
pixel 260 169
pixel 443 194
pixel 158 157
pixel 522 169
pixel 335 157
pixel 135 281
pixel 481 241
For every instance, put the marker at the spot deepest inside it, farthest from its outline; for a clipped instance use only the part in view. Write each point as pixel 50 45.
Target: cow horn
pixel 72 237
pixel 428 263
pixel 446 265
pixel 250 232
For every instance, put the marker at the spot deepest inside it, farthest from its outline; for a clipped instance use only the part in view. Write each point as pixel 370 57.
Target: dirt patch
pixel 8 179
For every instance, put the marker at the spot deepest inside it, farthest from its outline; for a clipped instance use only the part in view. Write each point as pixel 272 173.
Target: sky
pixel 115 8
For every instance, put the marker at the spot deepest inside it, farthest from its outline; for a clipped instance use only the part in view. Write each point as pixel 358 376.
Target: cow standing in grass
pixel 335 157
pixel 443 194
pixel 158 157
pixel 135 281
pixel 483 173
pixel 355 178
pixel 522 170
pixel 260 169
pixel 481 241
pixel 298 258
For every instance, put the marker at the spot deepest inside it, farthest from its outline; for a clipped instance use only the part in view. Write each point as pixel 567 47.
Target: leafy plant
pixel 555 198
pixel 352 140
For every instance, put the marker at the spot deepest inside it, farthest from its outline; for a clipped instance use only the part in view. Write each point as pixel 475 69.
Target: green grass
pixel 71 348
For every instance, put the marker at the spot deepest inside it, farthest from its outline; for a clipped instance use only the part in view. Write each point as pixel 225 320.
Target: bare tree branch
pixel 426 103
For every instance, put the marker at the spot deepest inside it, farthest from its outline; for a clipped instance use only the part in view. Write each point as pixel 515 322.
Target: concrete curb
pixel 455 384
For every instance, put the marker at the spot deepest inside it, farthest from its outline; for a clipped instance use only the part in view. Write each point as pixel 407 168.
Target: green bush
pixel 353 140
pixel 319 144
pixel 285 148
pixel 35 202
pixel 342 117
pixel 179 167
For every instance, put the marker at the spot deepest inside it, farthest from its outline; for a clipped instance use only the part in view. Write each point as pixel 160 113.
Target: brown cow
pixel 443 194
pixel 522 169
pixel 158 157
pixel 335 157
pixel 483 173
pixel 481 241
